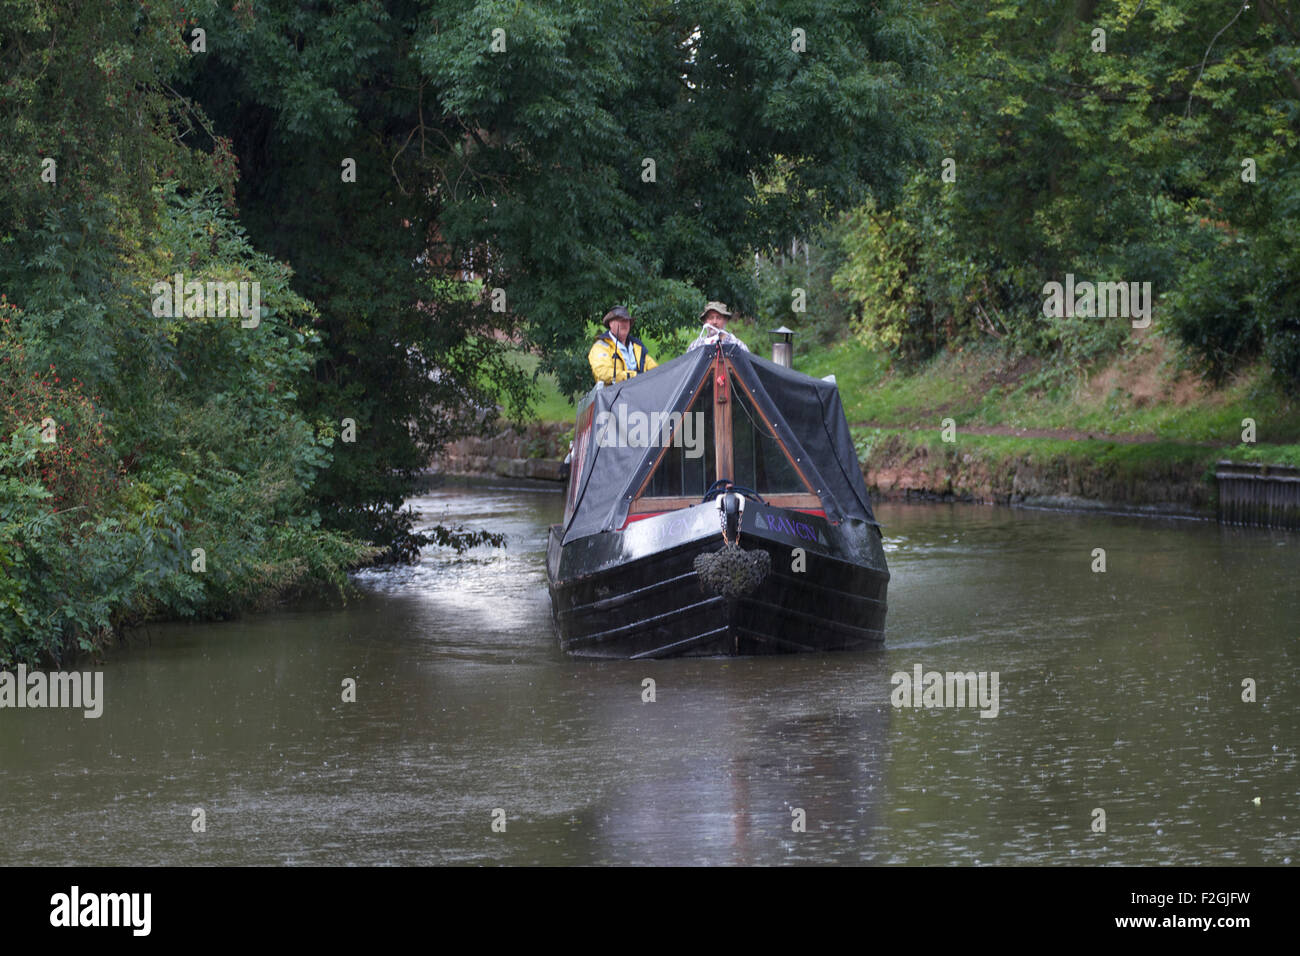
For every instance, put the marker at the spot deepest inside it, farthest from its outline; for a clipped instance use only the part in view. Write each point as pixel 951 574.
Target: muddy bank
pixel 1164 478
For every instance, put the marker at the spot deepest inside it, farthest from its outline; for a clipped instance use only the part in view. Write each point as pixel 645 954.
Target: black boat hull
pixel 634 593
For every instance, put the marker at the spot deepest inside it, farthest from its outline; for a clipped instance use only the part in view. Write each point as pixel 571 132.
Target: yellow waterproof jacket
pixel 607 363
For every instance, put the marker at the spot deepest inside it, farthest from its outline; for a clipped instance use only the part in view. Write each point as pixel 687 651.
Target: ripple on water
pixel 1119 691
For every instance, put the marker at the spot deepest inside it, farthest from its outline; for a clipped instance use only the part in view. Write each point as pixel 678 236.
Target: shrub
pixel 1213 311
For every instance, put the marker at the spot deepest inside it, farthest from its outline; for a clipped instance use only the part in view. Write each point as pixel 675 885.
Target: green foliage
pixel 66 575
pixel 1119 164
pixel 1213 311
pixel 194 438
pixel 879 277
pixel 410 352
pixel 752 143
pixel 85 85
pixel 1268 454
pixel 811 266
pixel 1277 259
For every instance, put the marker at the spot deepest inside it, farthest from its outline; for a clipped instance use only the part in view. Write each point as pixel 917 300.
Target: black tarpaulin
pixel 813 417
pixel 805 412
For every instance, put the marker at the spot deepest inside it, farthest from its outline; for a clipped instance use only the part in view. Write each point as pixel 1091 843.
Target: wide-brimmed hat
pixel 618 312
pixel 718 307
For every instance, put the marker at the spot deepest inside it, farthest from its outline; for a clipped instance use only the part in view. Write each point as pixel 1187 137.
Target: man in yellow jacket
pixel 617 354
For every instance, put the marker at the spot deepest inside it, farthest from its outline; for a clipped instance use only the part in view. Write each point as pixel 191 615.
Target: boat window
pixel 688 471
pixel 759 459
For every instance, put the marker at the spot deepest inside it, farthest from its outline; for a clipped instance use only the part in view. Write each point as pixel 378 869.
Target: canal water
pixel 1121 734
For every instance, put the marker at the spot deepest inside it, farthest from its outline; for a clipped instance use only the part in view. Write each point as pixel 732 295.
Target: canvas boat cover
pixel 806 414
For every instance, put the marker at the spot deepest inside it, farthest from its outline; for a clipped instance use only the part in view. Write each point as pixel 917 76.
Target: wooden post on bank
pixel 1263 496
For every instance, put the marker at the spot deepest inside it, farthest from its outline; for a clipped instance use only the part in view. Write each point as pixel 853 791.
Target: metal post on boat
pixel 783 347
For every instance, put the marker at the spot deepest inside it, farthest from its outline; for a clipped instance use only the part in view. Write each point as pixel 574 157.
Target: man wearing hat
pixel 617 354
pixel 715 317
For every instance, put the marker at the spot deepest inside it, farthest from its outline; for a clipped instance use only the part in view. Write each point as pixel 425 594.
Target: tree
pixel 624 152
pixel 515 161
pixel 133 435
pixel 1108 140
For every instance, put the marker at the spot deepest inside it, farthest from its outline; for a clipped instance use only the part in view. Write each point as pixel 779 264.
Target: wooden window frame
pixel 724 452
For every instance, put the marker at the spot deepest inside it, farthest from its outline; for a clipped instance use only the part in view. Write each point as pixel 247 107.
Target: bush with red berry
pixel 76 462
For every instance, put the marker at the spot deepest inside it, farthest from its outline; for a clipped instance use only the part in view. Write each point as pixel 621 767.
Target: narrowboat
pixel 715 507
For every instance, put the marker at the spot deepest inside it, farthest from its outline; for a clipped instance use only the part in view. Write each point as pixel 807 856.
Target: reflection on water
pixel 1120 691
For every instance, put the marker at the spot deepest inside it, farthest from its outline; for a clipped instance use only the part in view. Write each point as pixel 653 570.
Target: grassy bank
pixel 1140 393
